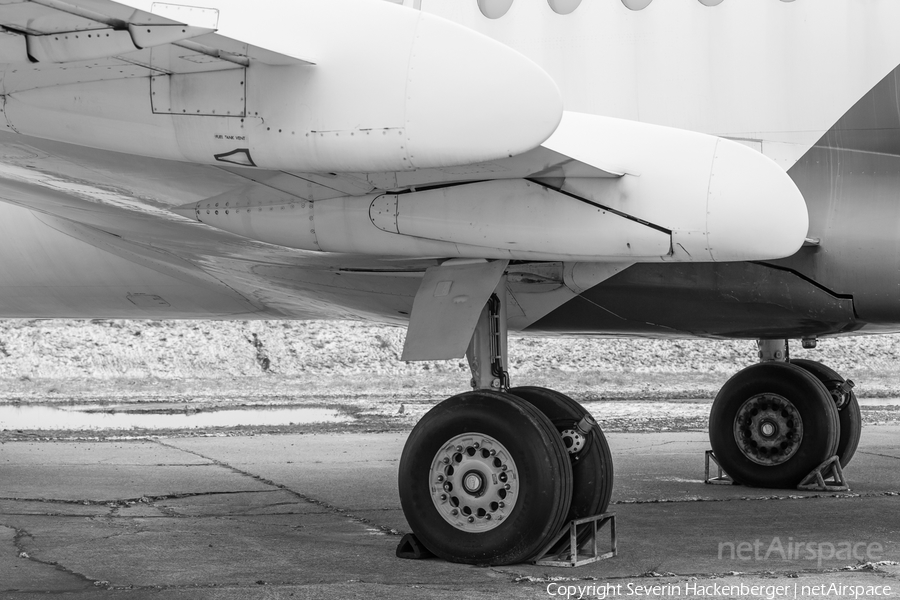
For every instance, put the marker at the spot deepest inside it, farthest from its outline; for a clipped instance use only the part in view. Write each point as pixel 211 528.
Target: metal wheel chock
pixel 827 477
pixel 576 555
pixel 722 478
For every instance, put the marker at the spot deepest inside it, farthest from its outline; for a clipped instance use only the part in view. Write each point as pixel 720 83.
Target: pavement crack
pixel 123 502
pixel 878 454
pixel 327 506
pixel 631 449
pixel 863 569
pixel 19 543
pixel 758 498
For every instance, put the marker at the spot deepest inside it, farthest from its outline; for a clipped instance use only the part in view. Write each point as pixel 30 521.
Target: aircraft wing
pixel 301 170
pixel 96 213
pixel 46 38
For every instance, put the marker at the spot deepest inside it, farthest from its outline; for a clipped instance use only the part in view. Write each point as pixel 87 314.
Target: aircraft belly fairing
pixel 735 300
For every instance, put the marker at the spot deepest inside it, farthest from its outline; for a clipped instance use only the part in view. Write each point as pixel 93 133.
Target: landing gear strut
pixel 492 475
pixel 774 422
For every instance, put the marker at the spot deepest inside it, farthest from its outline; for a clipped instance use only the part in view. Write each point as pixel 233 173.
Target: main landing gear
pixel 492 475
pixel 775 421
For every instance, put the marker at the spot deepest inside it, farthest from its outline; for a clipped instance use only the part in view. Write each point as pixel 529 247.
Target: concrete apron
pixel 318 516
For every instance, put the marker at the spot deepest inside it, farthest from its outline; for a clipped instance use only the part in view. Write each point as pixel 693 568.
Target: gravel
pixel 628 384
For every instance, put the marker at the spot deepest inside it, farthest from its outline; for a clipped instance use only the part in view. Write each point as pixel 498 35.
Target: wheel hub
pixel 474 482
pixel 768 429
pixel 573 440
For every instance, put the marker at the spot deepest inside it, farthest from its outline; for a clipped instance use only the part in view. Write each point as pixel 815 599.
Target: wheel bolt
pixel 503 467
pixel 446 461
pixel 501 504
pixel 471 519
pixel 459 448
pixel 443 496
pixel 507 486
pixel 454 512
pixel 493 453
pixel 488 517
pixel 476 445
pixel 440 478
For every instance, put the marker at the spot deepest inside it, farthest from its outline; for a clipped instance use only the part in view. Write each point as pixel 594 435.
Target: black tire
pixel 542 471
pixel 807 396
pixel 849 415
pixel 592 466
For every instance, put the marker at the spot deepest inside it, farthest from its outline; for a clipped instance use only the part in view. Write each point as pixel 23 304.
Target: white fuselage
pixel 775 74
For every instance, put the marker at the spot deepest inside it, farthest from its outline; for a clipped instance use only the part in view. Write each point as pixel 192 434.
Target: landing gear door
pixel 447 306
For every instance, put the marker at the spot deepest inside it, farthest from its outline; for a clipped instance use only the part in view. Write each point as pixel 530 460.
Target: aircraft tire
pixel 771 424
pixel 592 466
pixel 485 479
pixel 849 415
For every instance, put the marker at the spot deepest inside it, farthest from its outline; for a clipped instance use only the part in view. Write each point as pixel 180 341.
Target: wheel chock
pixel 827 477
pixel 722 478
pixel 575 555
pixel 410 547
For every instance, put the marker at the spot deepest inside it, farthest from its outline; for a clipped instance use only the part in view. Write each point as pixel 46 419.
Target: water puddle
pixel 879 401
pixel 95 417
pixel 642 404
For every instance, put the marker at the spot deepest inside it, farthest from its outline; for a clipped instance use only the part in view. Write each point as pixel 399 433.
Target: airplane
pixel 469 168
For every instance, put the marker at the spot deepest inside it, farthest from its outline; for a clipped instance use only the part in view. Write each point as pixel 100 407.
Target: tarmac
pixel 318 516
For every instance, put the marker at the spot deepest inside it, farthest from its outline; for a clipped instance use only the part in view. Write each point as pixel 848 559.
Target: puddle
pixel 94 417
pixel 143 417
pixel 879 401
pixel 642 404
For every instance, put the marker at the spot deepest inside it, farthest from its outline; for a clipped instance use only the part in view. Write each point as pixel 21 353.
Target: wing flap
pixel 37 19
pixel 62 32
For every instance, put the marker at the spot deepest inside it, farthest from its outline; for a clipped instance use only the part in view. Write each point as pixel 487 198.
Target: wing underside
pixel 296 178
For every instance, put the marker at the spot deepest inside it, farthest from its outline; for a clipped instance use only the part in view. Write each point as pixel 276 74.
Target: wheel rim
pixel 474 482
pixel 768 429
